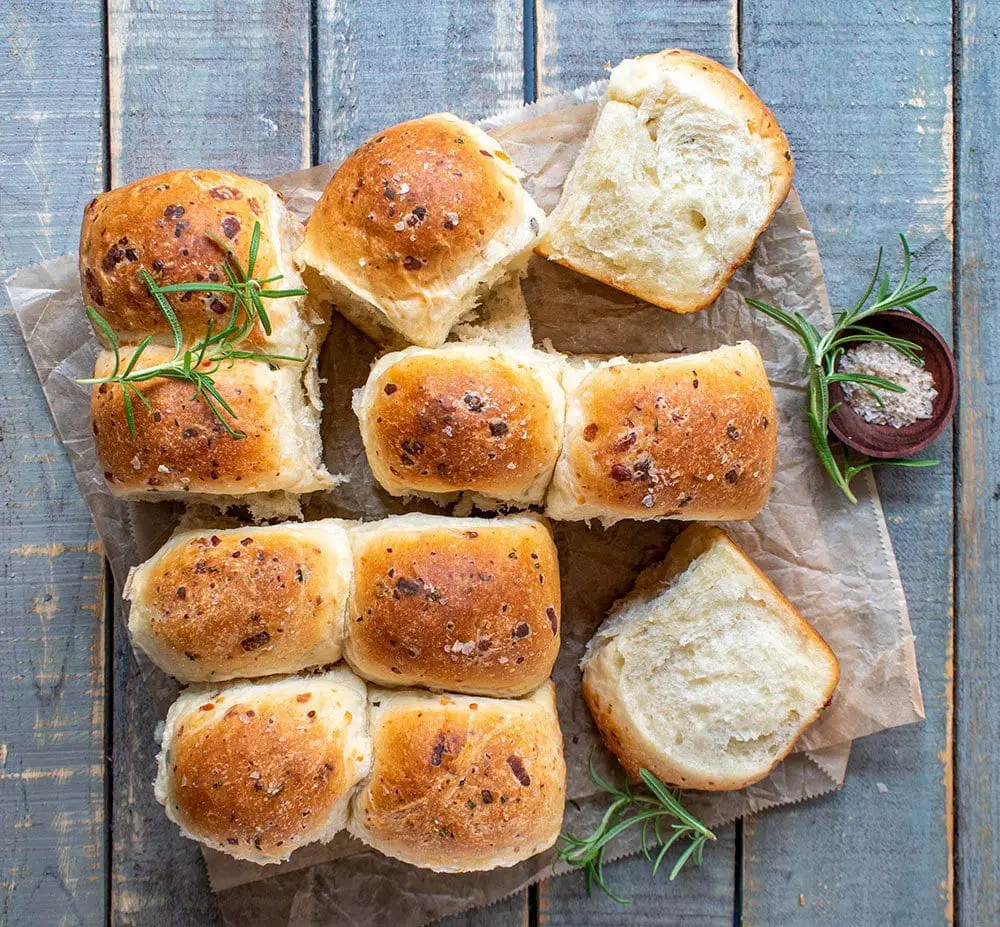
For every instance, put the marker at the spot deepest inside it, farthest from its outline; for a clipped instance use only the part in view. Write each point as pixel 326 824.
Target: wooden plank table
pixel 891 111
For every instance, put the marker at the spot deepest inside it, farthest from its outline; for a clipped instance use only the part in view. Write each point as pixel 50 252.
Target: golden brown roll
pixel 180 449
pixel 416 225
pixel 692 437
pixel 259 769
pixel 463 417
pixel 462 783
pixel 461 604
pixel 214 605
pixel 162 223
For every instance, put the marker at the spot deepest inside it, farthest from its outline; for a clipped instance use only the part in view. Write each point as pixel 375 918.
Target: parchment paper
pixel 832 559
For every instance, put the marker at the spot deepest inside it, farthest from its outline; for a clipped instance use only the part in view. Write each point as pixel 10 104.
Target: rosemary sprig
pixel 824 350
pixel 198 363
pixel 651 805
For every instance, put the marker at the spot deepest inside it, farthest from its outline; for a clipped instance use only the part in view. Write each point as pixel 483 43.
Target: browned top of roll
pixel 463 783
pixel 179 445
pixel 243 602
pixel 414 205
pixel 462 419
pixel 466 605
pixel 161 223
pixel 259 767
pixel 692 436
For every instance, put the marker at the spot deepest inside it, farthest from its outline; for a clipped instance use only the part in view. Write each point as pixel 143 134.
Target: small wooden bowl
pixel 884 441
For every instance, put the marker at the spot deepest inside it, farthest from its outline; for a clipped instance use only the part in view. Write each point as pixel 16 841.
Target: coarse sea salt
pixel 897 410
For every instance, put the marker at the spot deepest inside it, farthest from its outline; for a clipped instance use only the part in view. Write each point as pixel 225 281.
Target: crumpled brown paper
pixel 833 560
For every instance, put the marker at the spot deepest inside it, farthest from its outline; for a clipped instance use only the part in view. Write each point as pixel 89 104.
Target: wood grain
pixel 977 703
pixel 51 643
pixel 192 83
pixel 863 91
pixel 383 63
pixel 574 41
pixel 205 84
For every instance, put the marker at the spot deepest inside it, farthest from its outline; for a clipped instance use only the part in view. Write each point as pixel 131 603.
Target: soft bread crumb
pixel 683 169
pixel 706 674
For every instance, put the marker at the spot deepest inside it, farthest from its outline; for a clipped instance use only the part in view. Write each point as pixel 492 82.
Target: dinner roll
pixel 214 605
pixel 462 783
pixel 259 769
pixel 705 674
pixel 463 417
pixel 163 223
pixel 464 604
pixel 416 225
pixel 683 168
pixel 692 437
pixel 180 450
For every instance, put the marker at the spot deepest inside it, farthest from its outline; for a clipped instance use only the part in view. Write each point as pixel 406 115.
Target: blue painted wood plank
pixel 201 84
pixel 864 92
pixel 192 83
pixel 51 643
pixel 574 42
pixel 382 63
pixel 977 651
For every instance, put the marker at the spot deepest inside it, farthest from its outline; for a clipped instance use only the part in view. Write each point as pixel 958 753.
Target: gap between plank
pixel 954 863
pixel 107 614
pixel 530 81
pixel 314 82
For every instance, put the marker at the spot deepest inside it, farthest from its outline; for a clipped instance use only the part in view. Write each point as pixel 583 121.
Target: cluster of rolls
pixel 466 605
pixel 692 437
pixel 454 783
pixel 178 227
pixel 439 742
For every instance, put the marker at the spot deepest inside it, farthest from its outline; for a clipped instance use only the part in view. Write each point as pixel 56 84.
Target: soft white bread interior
pixel 243 602
pixel 462 783
pixel 259 769
pixel 416 226
pixel 463 417
pixel 705 674
pixel 181 450
pixel 683 169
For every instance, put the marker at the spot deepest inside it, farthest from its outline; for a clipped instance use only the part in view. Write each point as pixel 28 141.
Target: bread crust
pixel 466 417
pixel 747 108
pixel 257 770
pixel 460 604
pixel 603 666
pixel 252 601
pixel 162 223
pixel 462 783
pixel 417 220
pixel 180 447
pixel 692 437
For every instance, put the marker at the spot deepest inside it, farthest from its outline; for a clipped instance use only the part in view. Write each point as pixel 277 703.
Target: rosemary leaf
pixel 822 352
pixel 198 363
pixel 651 803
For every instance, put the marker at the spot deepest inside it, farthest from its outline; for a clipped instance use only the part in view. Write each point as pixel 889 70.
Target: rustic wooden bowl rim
pixel 883 441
